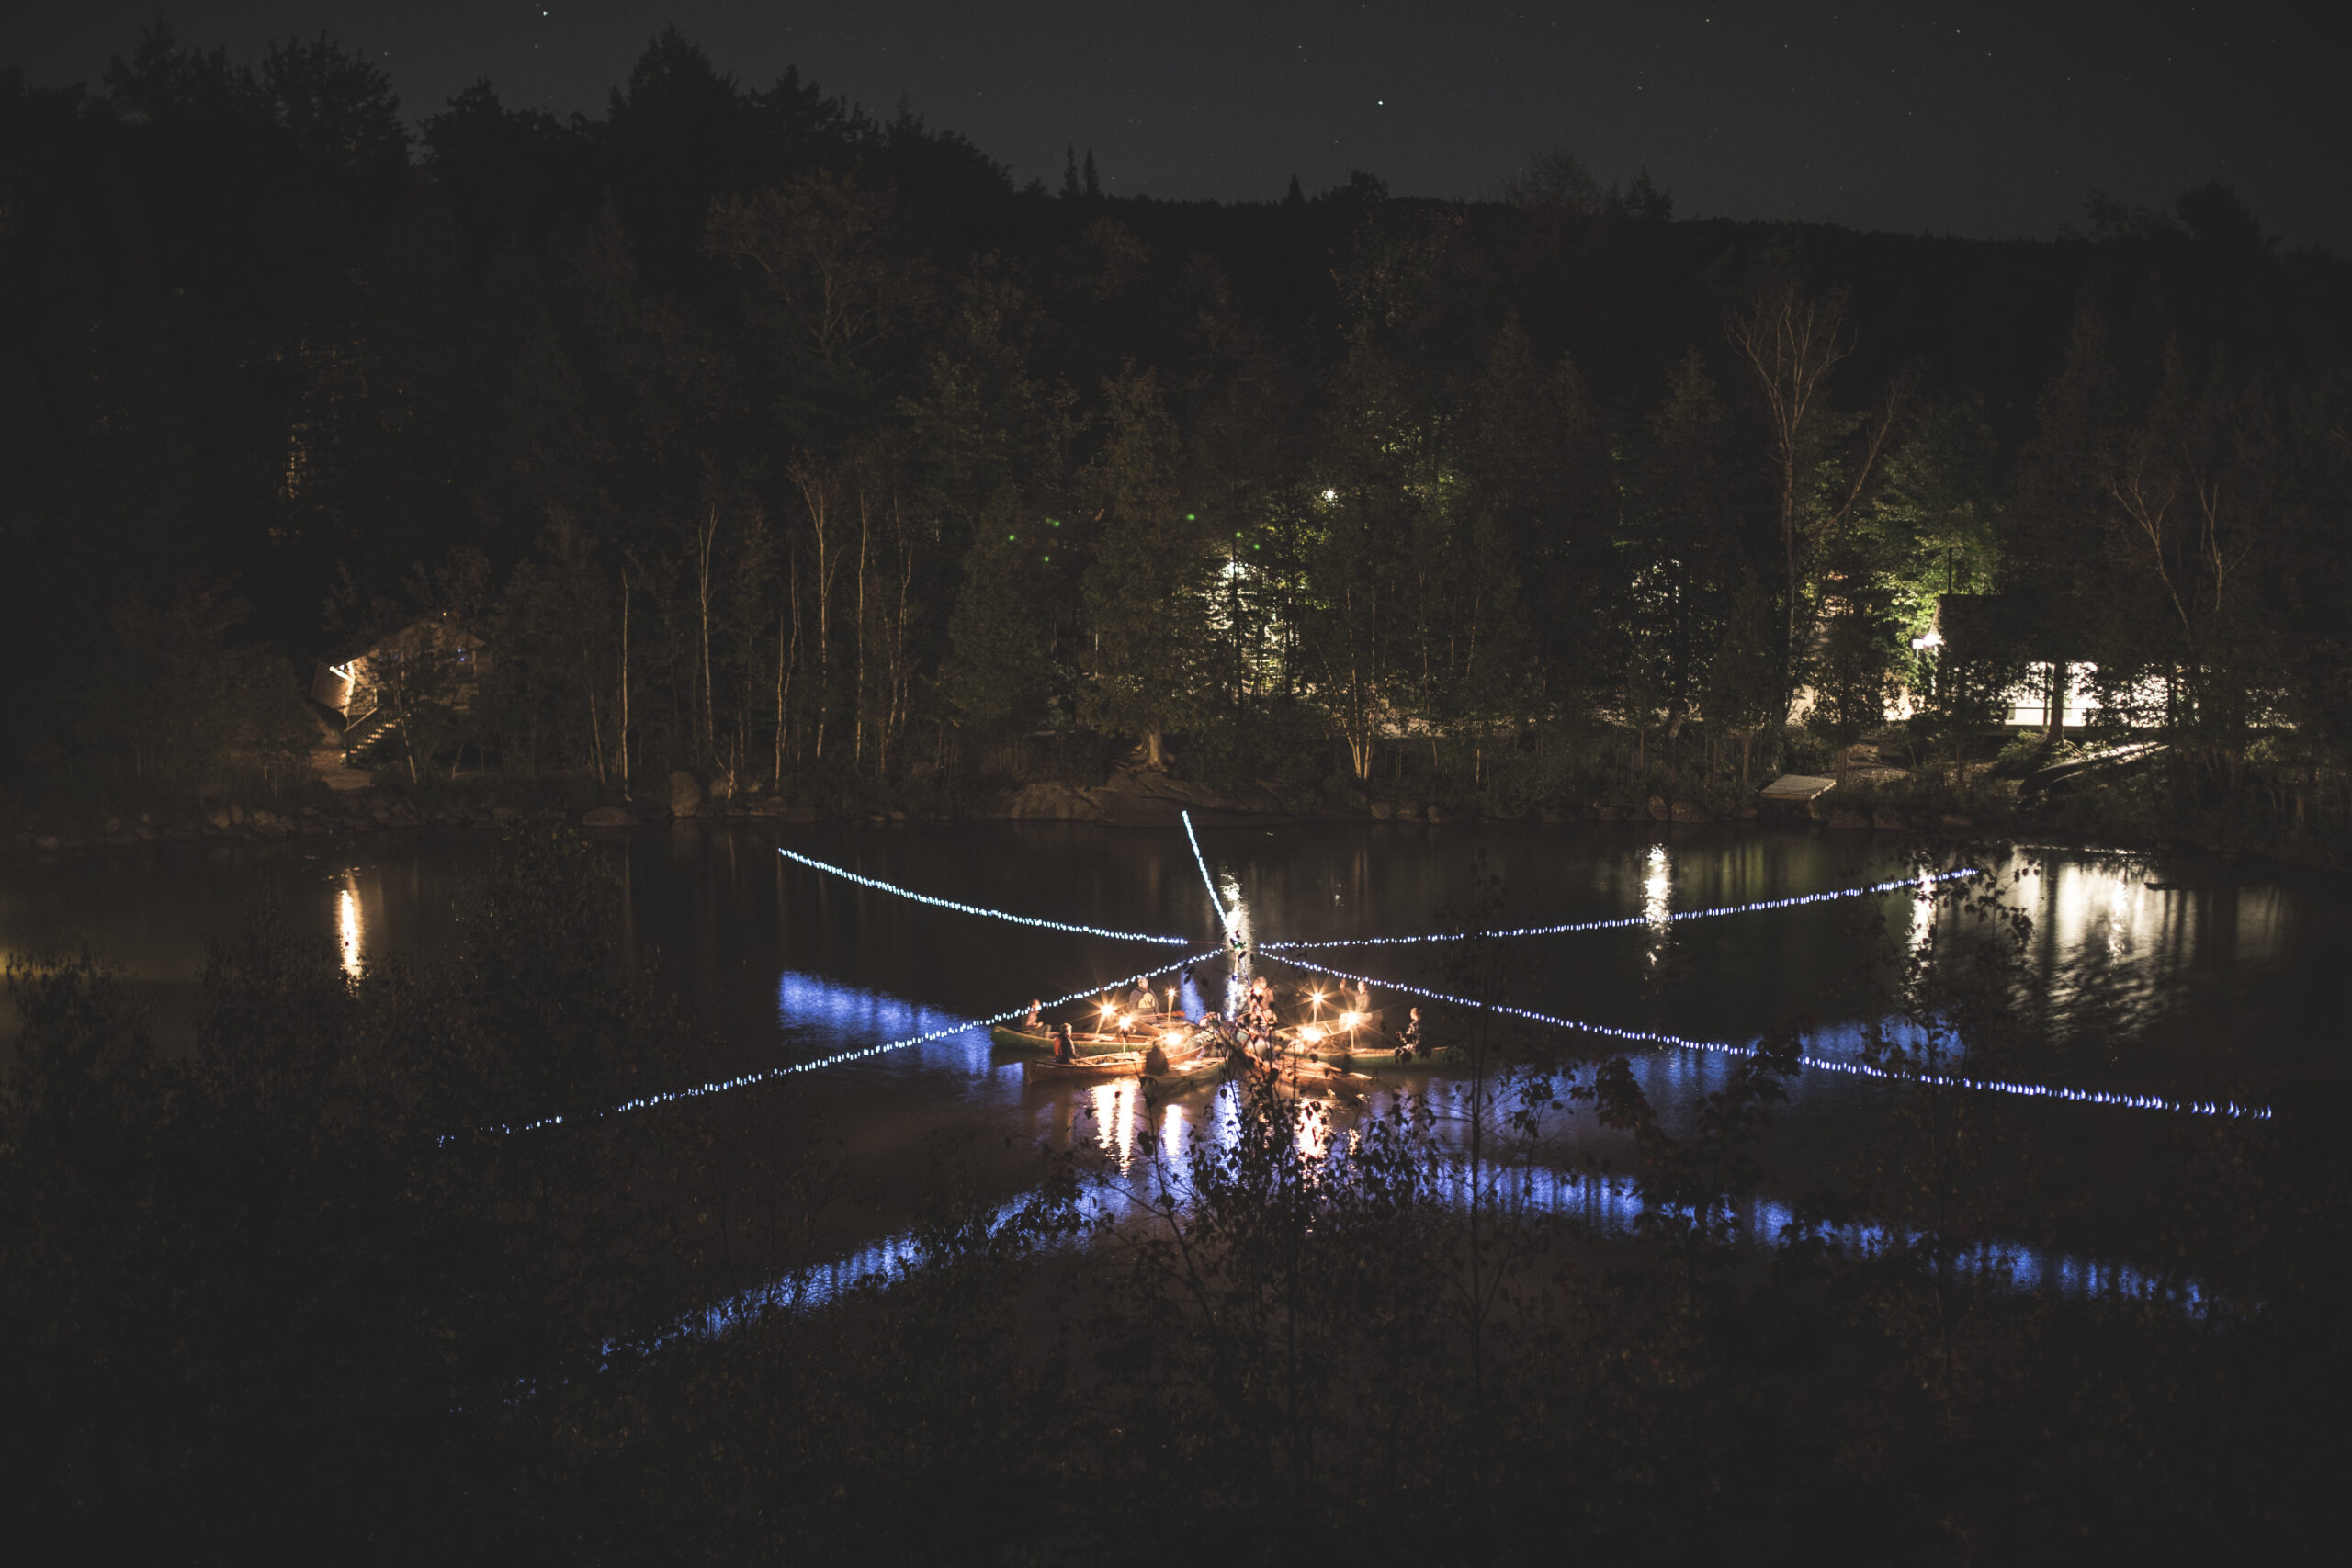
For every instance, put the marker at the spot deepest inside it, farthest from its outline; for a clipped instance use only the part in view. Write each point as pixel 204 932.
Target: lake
pixel 2227 978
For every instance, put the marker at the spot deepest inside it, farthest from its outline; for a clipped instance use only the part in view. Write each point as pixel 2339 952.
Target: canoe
pixel 1305 1075
pixel 1183 1072
pixel 1365 1043
pixel 1012 1037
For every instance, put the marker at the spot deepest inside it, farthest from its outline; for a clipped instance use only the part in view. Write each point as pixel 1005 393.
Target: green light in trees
pixel 1053 522
pixel 1050 555
pixel 1010 538
pixel 1190 518
pixel 1256 547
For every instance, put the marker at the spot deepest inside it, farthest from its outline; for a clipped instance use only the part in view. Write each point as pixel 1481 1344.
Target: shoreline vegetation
pixel 1870 790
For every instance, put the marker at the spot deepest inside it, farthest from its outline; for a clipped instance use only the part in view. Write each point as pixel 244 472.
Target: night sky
pixel 1988 120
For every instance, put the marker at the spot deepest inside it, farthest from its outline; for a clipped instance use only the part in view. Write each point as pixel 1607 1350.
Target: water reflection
pixel 820 1015
pixel 1657 887
pixel 1923 917
pixel 2180 973
pixel 1608 1206
pixel 1114 1119
pixel 349 933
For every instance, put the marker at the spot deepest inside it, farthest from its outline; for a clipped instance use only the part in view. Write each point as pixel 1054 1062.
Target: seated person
pixel 1065 1048
pixel 1035 1021
pixel 1155 1061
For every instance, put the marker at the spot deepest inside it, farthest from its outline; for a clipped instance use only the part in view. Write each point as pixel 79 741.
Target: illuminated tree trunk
pixel 704 537
pixel 623 679
pixel 816 497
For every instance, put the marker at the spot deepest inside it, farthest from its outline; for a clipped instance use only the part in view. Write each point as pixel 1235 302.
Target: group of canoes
pixel 1139 1036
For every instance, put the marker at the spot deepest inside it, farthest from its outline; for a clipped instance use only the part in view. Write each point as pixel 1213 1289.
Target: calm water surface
pixel 2230 980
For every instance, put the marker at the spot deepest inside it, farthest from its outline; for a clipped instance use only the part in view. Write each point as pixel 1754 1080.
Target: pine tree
pixel 999 668
pixel 1143 591
pixel 1094 185
pixel 1070 170
pixel 1296 197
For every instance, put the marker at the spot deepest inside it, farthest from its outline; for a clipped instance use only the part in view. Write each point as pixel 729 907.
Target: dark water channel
pixel 2228 980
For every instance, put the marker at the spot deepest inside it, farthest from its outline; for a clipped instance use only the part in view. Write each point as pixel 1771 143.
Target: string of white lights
pixel 783 1070
pixel 1858 1069
pixel 975 910
pixel 1206 881
pixel 1623 921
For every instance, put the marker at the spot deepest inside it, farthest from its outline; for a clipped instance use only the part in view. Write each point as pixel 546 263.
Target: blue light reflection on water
pixel 1608 1205
pixel 827 1016
pixel 1138 1139
pixel 2131 1100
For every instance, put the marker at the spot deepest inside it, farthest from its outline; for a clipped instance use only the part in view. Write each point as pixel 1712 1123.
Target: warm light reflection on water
pixel 1114 1119
pixel 1923 916
pixel 348 929
pixel 1658 888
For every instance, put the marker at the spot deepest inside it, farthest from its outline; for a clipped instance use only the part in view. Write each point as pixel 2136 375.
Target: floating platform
pixel 1793 795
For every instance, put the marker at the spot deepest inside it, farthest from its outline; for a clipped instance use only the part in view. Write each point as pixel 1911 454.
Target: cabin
pixel 369 691
pixel 2040 654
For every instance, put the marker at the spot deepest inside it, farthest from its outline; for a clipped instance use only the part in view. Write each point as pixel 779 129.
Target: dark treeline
pixel 763 435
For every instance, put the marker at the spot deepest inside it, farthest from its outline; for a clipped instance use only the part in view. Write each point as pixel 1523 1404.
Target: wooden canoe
pixel 1184 1071
pixel 1308 1075
pixel 1091 1042
pixel 1365 1043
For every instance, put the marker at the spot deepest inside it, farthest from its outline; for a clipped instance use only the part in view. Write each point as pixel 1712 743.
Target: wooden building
pixel 373 690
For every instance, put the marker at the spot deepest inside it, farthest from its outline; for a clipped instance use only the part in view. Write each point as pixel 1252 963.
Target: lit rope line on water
pixel 1857 1070
pixel 1206 880
pixel 976 909
pixel 766 1075
pixel 1628 920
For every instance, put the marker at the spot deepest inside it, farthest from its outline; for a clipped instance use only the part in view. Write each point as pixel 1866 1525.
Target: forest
pixel 756 433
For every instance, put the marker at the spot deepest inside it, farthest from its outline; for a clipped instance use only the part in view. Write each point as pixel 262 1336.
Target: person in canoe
pixel 1155 1061
pixel 1036 1019
pixel 1065 1049
pixel 1228 1039
pixel 1408 1039
pixel 1142 1003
